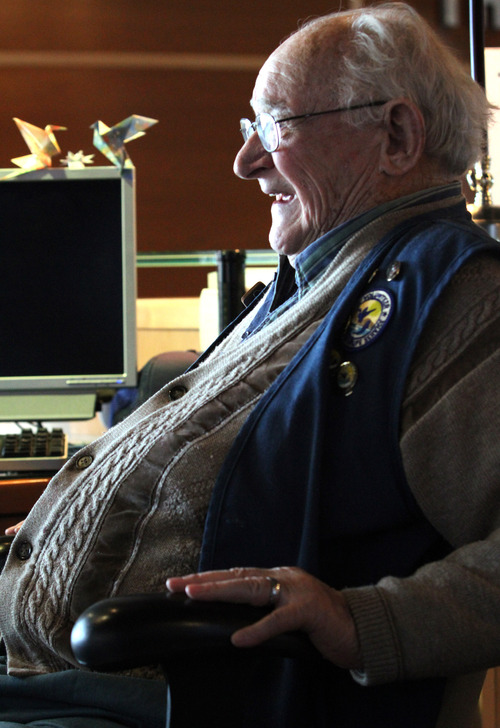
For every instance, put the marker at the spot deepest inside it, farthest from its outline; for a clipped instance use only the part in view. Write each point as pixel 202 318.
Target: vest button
pixel 84 461
pixel 24 550
pixel 393 271
pixel 177 392
pixel 347 376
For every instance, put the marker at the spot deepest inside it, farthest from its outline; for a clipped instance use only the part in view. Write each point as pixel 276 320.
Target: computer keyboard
pixel 33 450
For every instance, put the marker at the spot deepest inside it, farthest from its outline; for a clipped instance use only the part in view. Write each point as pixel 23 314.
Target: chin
pixel 286 244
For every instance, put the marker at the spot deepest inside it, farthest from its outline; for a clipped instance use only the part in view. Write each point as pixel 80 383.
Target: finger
pixel 12 530
pixel 179 583
pixel 254 590
pixel 283 619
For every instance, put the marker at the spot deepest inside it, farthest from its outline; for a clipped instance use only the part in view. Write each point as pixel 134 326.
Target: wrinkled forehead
pixel 281 80
pixel 302 69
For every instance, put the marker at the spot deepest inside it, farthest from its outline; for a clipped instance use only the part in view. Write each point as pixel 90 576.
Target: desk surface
pixel 18 495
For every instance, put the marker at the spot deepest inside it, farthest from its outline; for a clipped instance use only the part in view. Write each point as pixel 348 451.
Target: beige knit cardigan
pixel 131 512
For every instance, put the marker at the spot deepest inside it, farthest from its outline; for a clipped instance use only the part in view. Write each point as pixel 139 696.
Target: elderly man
pixel 335 451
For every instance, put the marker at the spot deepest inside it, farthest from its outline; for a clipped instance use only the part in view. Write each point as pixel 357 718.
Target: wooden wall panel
pixel 190 65
pixel 200 26
pixel 187 195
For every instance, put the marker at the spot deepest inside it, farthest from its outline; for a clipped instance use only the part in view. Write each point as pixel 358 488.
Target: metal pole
pixel 479 178
pixel 231 284
pixel 476 39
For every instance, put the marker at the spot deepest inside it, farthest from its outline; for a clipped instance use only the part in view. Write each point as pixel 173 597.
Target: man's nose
pixel 252 159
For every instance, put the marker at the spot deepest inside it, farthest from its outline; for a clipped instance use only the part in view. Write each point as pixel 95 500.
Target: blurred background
pixel 192 66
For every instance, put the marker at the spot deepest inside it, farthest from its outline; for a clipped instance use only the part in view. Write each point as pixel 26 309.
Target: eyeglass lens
pixel 266 128
pixel 268 131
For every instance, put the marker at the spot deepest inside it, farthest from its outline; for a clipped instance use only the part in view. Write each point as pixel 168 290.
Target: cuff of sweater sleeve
pixel 377 637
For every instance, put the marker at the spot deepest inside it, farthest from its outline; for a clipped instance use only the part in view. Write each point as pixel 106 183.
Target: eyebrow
pixel 278 108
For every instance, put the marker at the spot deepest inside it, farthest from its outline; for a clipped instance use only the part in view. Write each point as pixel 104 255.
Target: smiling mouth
pixel 280 198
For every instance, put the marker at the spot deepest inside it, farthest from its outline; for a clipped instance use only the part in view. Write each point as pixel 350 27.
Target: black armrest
pixel 144 629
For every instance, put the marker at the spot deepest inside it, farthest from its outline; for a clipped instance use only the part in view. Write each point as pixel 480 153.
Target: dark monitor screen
pixel 67 299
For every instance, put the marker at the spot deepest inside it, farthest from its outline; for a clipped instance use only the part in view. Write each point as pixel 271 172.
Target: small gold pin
pixel 393 270
pixel 347 376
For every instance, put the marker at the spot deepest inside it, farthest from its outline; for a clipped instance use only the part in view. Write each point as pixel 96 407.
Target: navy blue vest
pixel 315 477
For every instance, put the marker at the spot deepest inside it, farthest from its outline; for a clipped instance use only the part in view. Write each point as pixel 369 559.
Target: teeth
pixel 281 197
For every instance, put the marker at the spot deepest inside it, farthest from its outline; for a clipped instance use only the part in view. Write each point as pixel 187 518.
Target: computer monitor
pixel 67 291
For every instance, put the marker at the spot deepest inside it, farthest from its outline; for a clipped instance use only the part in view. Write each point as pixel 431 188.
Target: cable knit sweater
pixel 129 510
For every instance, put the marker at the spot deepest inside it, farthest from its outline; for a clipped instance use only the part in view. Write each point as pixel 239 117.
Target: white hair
pixel 389 51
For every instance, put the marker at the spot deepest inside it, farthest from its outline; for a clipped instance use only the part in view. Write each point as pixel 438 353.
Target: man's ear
pixel 404 140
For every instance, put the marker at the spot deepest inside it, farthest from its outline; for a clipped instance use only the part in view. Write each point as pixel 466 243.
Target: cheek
pixel 316 184
pixel 318 197
pixel 316 180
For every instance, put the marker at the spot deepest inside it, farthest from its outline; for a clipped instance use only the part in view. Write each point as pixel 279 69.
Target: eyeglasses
pixel 267 127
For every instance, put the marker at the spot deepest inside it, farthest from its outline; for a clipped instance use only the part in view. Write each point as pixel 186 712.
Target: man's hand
pixel 301 601
pixel 12 530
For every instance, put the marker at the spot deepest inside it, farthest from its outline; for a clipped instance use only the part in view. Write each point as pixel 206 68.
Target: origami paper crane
pixel 77 160
pixel 41 143
pixel 111 140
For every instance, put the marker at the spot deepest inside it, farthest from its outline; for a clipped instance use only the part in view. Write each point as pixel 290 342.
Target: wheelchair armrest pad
pixel 145 629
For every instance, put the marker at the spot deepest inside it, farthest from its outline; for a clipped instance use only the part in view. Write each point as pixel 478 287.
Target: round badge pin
pixel 369 319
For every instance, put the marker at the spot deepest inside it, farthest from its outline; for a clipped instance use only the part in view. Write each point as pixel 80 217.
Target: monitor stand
pixel 34 406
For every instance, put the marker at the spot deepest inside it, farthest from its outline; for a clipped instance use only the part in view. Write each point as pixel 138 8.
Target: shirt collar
pixel 312 261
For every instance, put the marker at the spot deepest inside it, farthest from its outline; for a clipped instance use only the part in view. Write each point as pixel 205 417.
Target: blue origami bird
pixel 111 140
